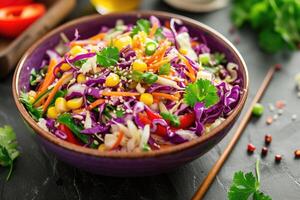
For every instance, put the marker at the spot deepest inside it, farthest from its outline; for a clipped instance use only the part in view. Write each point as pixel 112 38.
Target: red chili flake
pixel 264 151
pixel 278 158
pixel 251 148
pixel 268 139
pixel 269 120
pixel 278 66
pixel 280 104
pixel 297 153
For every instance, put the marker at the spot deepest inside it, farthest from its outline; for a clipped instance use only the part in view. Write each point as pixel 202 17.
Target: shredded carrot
pixel 124 94
pixel 49 78
pixel 191 73
pixel 153 30
pixel 119 140
pixel 83 43
pixel 159 54
pixel 167 24
pixel 165 96
pixel 96 103
pixel 194 43
pixel 156 65
pixel 78 111
pixel 99 36
pixel 66 77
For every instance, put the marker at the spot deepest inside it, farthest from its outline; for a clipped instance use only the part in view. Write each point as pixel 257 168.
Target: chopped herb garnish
pixel 201 91
pixel 141 25
pixel 165 69
pixel 246 185
pixel 36 113
pixel 219 58
pixel 147 77
pixel 108 56
pixel 35 77
pixel 8 148
pixel 174 120
pixel 79 63
pixel 120 113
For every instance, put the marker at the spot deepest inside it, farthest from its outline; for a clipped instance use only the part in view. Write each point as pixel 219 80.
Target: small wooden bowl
pixel 126 163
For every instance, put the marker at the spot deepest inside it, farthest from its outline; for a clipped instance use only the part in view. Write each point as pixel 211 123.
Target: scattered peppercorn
pixel 278 66
pixel 251 148
pixel 269 120
pixel 280 104
pixel 258 110
pixel 268 139
pixel 278 158
pixel 297 153
pixel 264 151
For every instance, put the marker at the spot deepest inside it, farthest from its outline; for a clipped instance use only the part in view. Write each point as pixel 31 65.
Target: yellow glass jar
pixel 107 6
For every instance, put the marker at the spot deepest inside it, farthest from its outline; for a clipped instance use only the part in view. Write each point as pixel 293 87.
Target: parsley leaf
pixel 108 56
pixel 201 91
pixel 36 113
pixel 174 120
pixel 246 185
pixel 8 148
pixel 243 186
pixel 141 25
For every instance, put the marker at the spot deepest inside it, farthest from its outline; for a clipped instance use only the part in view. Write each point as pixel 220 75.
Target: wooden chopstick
pixel 219 163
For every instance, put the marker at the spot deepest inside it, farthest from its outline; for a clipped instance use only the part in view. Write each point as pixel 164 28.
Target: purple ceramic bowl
pixel 124 163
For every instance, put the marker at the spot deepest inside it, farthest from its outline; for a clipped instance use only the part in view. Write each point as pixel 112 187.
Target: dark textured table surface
pixel 39 175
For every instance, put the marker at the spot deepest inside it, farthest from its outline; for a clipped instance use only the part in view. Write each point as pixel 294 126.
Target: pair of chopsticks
pixel 219 163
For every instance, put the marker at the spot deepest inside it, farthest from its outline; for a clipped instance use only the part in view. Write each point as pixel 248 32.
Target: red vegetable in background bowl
pixel 15 19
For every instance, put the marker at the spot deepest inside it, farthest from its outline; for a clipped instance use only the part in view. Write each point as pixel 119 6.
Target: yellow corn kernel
pixel 77 50
pixel 31 96
pixel 101 147
pixel 142 36
pixel 75 103
pixel 81 78
pixel 122 42
pixel 61 105
pixel 112 80
pixel 139 65
pixel 183 51
pixel 52 113
pixel 147 99
pixel 65 67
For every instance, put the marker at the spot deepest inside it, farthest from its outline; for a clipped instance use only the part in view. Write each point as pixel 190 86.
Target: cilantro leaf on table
pixel 243 186
pixel 246 185
pixel 108 56
pixel 141 25
pixel 201 91
pixel 8 148
pixel 36 113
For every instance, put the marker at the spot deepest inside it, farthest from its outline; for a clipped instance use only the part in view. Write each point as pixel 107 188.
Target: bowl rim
pixel 130 155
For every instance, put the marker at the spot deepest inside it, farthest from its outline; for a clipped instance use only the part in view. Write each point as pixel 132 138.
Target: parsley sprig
pixel 8 148
pixel 201 91
pixel 246 185
pixel 108 56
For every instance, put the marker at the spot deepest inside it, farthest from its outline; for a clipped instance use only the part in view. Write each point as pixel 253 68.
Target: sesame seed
pixel 280 111
pixel 275 117
pixel 294 117
pixel 271 107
